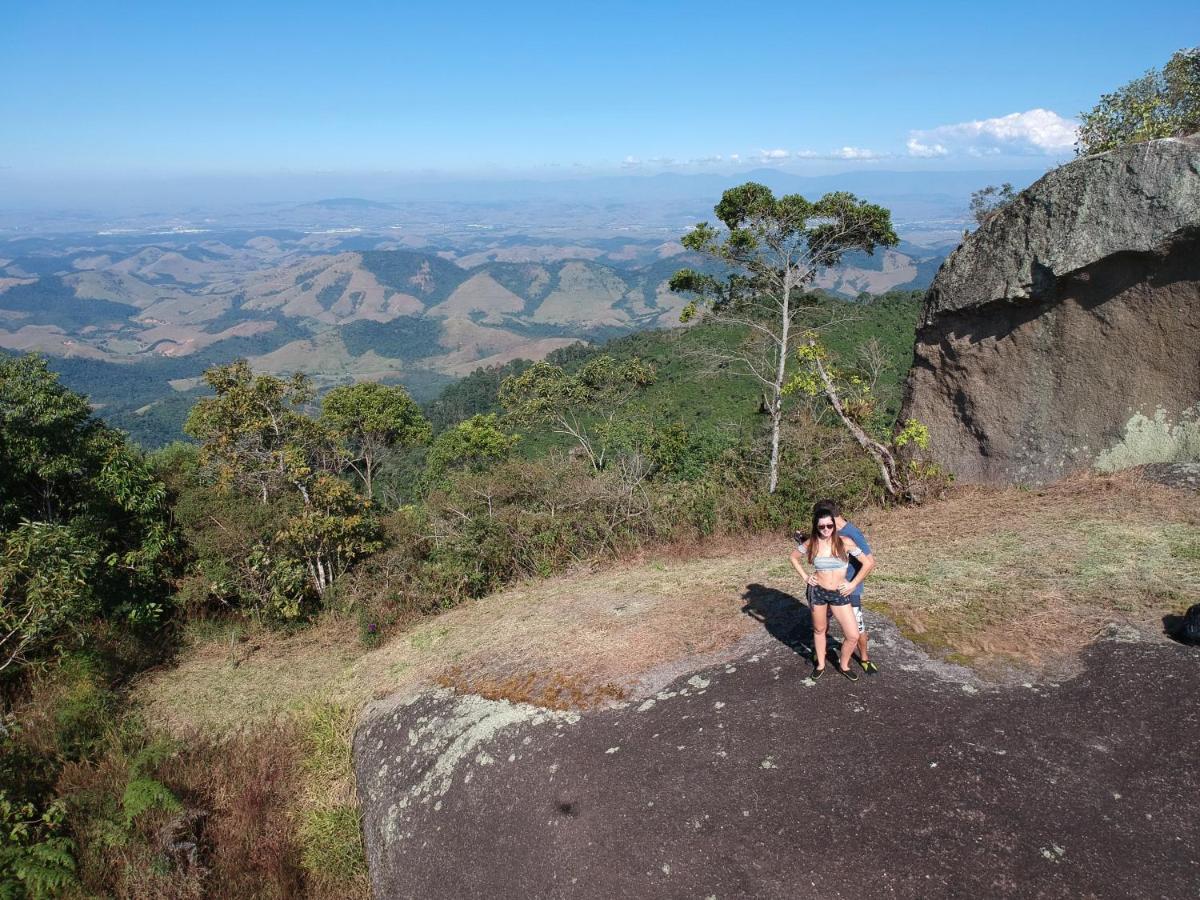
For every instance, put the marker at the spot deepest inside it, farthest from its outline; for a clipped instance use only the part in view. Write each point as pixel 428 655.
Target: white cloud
pixel 630 162
pixel 1038 132
pixel 855 153
pixel 773 154
pixel 916 148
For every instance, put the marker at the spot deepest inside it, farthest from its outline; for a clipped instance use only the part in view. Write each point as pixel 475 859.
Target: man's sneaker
pixel 850 673
pixel 869 667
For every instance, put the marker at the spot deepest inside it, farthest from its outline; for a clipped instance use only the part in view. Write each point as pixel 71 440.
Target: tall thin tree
pixel 772 249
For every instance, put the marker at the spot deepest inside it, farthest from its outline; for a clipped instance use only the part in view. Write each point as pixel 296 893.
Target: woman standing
pixel 828 552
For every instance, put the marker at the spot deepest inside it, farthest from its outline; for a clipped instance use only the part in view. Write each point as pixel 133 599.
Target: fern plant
pixel 34 861
pixel 144 793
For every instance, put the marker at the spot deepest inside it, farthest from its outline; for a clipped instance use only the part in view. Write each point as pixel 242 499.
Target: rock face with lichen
pixel 1064 334
pixel 749 779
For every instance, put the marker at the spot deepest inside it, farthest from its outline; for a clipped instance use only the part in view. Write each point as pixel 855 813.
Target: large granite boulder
pixel 749 780
pixel 1064 334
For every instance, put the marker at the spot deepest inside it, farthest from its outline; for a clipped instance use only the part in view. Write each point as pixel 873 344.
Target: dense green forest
pixel 48 301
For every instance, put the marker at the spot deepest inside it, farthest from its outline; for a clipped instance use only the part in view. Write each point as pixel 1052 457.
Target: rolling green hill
pixel 713 401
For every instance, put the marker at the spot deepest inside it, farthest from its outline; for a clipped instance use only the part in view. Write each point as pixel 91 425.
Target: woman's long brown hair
pixel 839 547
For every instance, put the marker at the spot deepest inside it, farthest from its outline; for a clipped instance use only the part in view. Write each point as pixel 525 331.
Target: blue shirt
pixel 855 563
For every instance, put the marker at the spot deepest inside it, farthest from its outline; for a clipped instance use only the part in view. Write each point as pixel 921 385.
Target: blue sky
pixel 122 89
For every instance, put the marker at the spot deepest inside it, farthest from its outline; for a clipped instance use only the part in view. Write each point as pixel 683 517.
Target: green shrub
pixel 84 706
pixel 34 861
pixel 143 792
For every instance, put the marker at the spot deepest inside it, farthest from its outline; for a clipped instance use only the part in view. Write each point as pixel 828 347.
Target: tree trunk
pixel 776 419
pixel 777 388
pixel 321 577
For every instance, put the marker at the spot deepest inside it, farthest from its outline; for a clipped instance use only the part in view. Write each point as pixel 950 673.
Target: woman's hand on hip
pixel 846 589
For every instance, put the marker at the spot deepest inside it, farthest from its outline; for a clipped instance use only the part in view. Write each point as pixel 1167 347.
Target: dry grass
pixel 226 681
pixel 328 815
pixel 232 834
pixel 552 690
pixel 985 576
pixel 1032 576
pixel 247 784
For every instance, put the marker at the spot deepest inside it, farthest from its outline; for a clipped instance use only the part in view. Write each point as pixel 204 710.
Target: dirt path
pixel 747 780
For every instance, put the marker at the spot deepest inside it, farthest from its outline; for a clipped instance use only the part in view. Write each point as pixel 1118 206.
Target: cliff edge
pixel 1063 334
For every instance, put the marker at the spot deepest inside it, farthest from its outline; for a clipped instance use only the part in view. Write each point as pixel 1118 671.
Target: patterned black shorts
pixel 819 596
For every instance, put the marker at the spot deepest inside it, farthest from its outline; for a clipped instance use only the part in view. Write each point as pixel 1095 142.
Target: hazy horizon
pixel 920 200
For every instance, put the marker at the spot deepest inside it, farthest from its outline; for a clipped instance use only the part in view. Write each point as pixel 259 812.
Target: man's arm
pixel 868 566
pixel 866 559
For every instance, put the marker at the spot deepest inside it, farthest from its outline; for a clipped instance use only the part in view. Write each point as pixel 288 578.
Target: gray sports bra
pixel 829 563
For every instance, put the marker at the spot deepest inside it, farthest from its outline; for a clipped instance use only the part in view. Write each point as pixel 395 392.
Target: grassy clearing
pixel 988 577
pixel 243 676
pixel 1030 577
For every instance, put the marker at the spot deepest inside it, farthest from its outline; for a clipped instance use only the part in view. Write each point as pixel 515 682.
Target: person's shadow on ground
pixel 786 618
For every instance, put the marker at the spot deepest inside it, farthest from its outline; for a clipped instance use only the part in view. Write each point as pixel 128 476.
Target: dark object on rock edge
pixel 1189 631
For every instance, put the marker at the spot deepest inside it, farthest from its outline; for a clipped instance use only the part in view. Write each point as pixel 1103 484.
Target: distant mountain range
pixel 343 305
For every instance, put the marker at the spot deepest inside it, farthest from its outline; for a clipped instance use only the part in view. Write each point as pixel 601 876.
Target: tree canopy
pixel 474 445
pixel 368 419
pixel 988 201
pixel 253 433
pixel 258 439
pixel 85 533
pixel 582 405
pixel 1162 103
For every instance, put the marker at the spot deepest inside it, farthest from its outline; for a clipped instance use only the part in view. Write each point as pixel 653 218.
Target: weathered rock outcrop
pixel 1065 333
pixel 747 780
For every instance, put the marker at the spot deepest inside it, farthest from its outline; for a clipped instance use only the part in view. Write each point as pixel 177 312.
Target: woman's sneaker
pixel 869 667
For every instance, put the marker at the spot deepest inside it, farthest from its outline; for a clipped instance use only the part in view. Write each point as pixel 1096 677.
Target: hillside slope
pixel 1038 673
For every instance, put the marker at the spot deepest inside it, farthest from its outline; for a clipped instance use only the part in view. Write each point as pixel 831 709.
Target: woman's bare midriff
pixel 831 579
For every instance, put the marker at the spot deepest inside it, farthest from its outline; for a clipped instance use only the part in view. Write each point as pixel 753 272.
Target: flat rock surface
pixel 748 780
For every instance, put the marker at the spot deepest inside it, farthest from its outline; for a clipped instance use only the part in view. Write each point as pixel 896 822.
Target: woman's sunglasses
pixel 825 526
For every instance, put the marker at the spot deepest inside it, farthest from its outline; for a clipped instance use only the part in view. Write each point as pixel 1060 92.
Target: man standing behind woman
pixel 839 564
pixel 856 563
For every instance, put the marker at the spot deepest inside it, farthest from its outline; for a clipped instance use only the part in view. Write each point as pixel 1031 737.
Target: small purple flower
pixel 371 628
